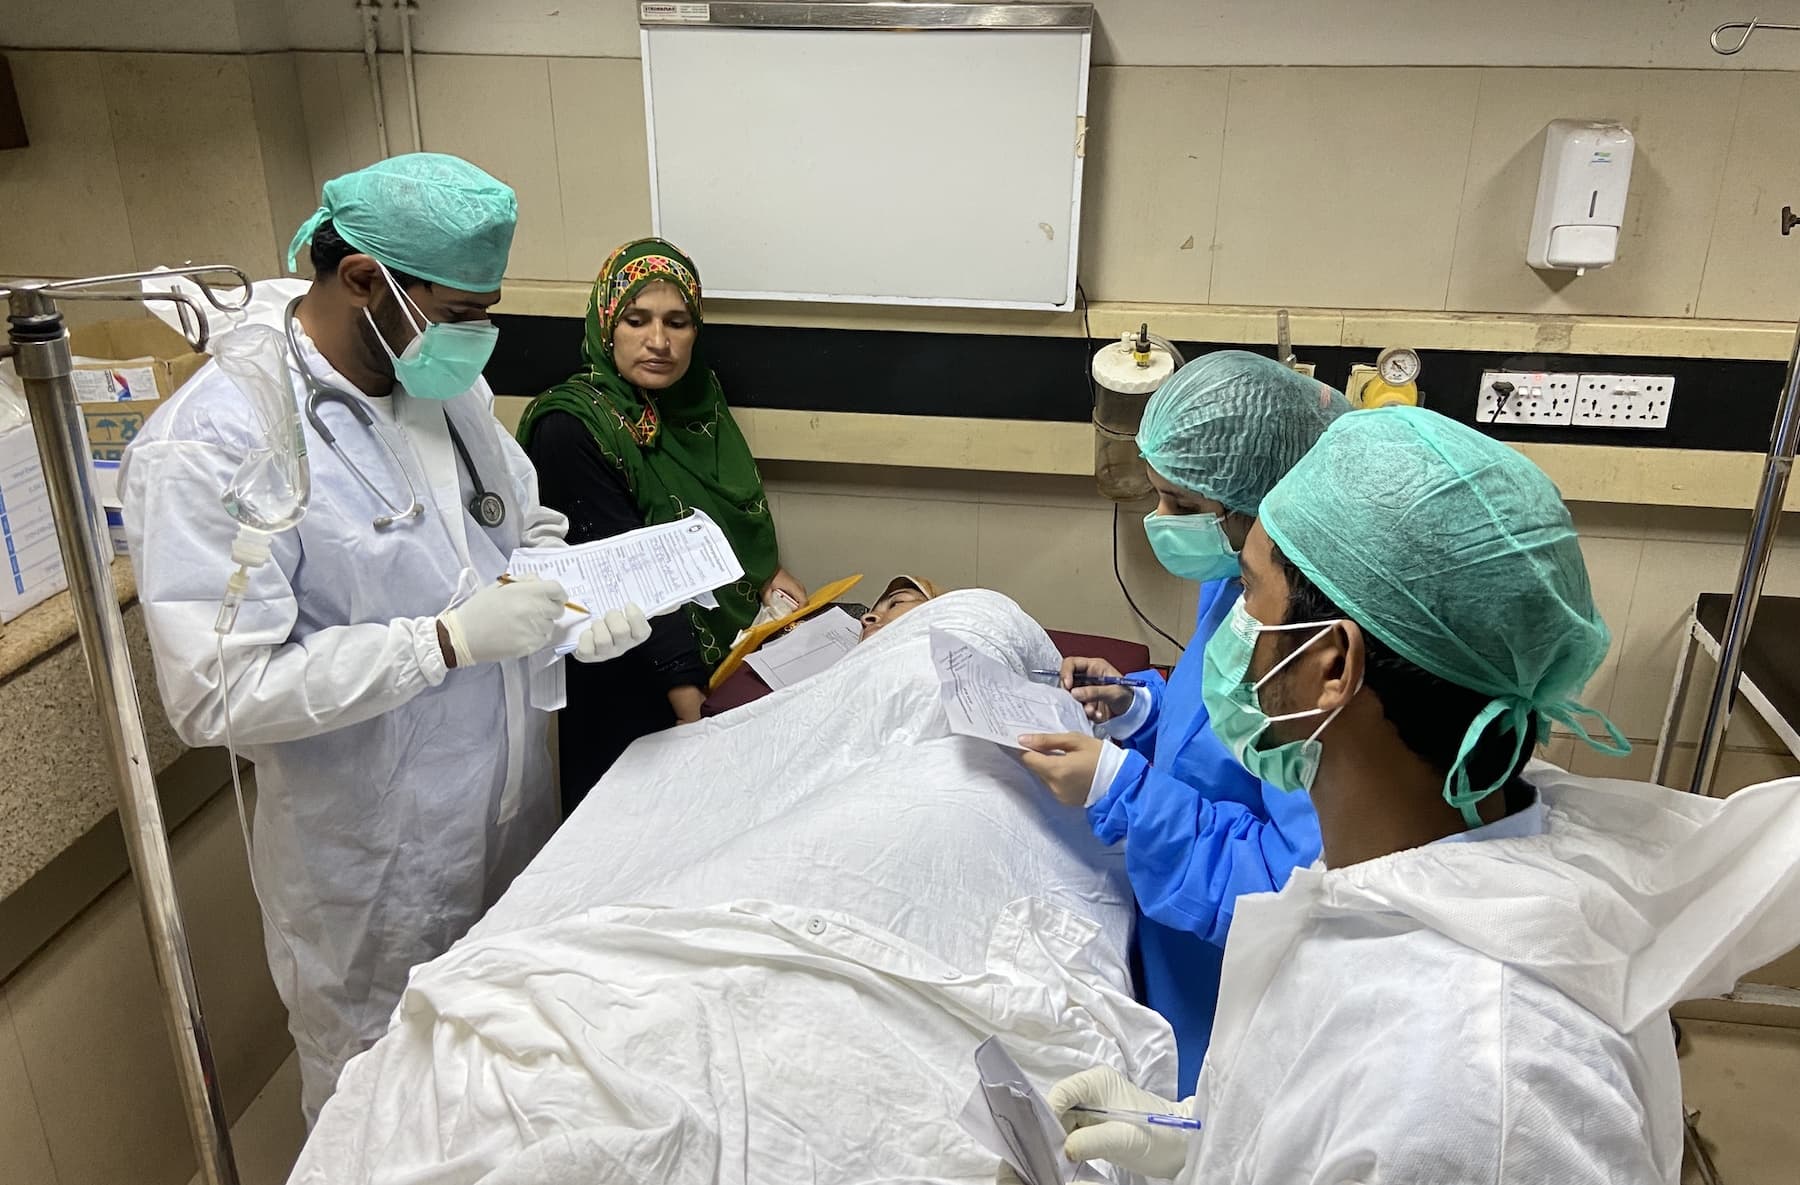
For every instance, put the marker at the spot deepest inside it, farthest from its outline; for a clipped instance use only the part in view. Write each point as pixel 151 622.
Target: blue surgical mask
pixel 1192 546
pixel 444 358
pixel 1234 709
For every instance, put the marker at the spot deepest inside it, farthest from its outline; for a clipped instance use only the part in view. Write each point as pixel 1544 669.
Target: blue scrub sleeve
pixel 1189 858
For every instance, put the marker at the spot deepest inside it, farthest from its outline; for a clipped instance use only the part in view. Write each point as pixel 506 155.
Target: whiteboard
pixel 871 166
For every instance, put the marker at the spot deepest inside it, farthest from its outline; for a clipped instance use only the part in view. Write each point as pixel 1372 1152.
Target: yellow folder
pixel 758 634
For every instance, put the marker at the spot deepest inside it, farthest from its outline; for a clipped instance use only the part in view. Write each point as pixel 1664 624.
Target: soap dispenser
pixel 1581 195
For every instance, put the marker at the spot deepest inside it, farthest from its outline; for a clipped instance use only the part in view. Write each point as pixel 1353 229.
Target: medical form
pixel 986 698
pixel 808 648
pixel 659 569
pixel 1009 1118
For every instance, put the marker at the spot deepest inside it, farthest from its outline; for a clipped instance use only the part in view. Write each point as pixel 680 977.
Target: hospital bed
pixel 764 950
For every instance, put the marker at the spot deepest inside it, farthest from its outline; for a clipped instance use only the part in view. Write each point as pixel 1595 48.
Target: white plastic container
pixel 1581 195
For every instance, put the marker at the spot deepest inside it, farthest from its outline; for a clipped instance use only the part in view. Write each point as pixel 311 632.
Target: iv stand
pixel 1765 521
pixel 39 345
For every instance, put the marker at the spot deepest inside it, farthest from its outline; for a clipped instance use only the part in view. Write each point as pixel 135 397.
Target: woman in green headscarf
pixel 638 436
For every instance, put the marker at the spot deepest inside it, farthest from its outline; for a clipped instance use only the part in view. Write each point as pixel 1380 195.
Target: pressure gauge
pixel 1398 366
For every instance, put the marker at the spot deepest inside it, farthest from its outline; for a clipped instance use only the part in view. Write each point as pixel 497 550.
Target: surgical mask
pixel 1233 704
pixel 444 358
pixel 1192 546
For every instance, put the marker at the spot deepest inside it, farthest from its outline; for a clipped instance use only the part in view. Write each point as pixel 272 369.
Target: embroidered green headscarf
pixel 676 448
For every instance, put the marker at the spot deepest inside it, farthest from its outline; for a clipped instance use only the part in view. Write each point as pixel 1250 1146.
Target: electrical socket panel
pixel 1624 401
pixel 1536 398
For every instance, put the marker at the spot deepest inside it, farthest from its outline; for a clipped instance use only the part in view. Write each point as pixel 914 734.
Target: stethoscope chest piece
pixel 488 508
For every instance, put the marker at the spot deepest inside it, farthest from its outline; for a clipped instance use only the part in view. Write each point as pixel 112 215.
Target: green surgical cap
pixel 1459 554
pixel 1230 424
pixel 433 216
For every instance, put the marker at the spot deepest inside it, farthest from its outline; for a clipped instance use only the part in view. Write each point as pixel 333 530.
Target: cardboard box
pixel 106 487
pixel 123 372
pixel 31 570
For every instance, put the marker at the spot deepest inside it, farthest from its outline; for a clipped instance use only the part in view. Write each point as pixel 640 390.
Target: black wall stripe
pixel 1720 404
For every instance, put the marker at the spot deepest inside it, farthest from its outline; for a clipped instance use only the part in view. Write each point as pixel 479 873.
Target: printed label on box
pixel 115 385
pixel 20 537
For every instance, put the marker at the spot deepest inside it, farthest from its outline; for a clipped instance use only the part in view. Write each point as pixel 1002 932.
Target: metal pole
pixel 1765 521
pixel 40 347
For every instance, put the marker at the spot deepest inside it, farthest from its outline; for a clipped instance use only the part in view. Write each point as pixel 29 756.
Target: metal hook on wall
pixel 1750 26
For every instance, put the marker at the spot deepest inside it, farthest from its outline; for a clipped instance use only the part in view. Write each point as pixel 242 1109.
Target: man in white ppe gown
pixel 1473 984
pixel 379 677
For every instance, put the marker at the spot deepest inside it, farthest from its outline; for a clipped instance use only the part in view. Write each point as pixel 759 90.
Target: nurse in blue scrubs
pixel 1198 829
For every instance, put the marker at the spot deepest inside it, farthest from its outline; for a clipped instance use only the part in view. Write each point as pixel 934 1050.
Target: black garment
pixel 611 704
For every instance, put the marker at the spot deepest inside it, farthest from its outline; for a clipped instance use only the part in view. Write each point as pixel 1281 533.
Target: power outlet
pixel 1534 398
pixel 1624 400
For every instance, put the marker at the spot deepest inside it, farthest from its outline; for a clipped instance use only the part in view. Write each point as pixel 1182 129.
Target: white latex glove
pixel 504 621
pixel 612 635
pixel 1152 1151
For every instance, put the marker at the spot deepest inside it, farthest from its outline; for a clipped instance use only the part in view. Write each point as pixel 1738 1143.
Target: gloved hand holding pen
pixel 501 622
pixel 1081 1102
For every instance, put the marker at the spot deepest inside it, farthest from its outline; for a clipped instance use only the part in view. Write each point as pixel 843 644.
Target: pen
pixel 1055 677
pixel 1142 1118
pixel 505 579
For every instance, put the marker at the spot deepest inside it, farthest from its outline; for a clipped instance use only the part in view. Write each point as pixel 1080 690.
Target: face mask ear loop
pixel 1326 723
pixel 1324 628
pixel 419 323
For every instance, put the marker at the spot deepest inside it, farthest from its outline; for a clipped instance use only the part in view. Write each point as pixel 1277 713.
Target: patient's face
pixel 895 604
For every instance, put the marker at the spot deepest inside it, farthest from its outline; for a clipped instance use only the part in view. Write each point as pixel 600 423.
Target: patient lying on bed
pixel 764 950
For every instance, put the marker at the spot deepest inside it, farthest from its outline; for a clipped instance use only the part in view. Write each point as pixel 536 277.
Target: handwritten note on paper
pixel 808 648
pixel 657 568
pixel 985 698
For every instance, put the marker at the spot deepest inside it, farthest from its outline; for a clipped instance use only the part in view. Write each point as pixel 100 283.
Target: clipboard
pixel 756 635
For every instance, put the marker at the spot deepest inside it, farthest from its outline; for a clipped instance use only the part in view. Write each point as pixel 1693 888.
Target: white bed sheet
pixel 764 950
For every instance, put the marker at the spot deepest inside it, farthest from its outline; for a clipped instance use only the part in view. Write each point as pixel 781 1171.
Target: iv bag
pixel 270 489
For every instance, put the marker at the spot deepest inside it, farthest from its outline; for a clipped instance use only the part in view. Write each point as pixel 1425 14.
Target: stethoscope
pixel 486 507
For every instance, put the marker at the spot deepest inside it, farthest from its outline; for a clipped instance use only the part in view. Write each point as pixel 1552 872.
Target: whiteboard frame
pixel 1079 133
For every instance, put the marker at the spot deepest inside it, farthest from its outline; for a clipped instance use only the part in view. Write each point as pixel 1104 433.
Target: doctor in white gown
pixel 1473 985
pixel 402 771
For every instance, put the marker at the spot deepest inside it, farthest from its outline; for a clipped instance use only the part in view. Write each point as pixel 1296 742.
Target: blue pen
pixel 1142 1118
pixel 1055 677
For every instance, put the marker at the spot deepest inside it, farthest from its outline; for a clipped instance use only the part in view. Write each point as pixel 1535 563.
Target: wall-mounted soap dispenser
pixel 1581 195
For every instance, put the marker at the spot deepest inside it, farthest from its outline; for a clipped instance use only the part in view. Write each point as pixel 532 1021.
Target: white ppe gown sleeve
pixel 280 689
pixel 1126 725
pixel 1106 769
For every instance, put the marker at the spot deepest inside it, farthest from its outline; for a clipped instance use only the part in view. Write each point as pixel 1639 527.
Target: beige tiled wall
pixel 566 133
pixel 1647 567
pixel 1320 186
pixel 144 159
pixel 87 1085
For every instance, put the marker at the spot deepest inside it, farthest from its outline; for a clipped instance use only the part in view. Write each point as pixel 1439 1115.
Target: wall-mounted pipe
pixel 407 10
pixel 370 11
